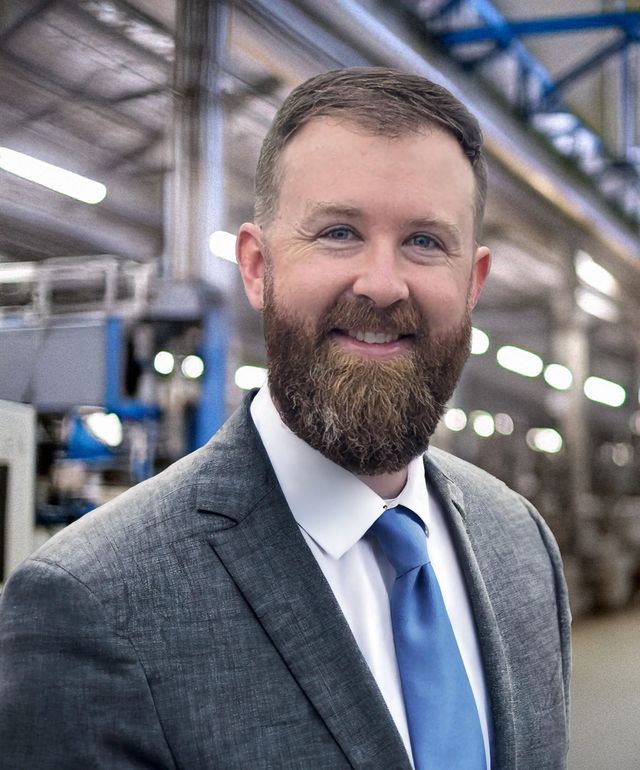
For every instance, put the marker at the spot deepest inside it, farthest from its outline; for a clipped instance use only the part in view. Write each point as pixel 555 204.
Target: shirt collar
pixel 330 504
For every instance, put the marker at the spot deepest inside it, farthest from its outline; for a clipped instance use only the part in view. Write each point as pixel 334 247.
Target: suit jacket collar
pixel 464 531
pixel 255 536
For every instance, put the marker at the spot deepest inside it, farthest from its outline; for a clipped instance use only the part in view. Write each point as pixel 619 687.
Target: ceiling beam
pixel 505 31
pixel 99 232
pixel 585 66
pixel 139 15
pixel 115 33
pixel 28 14
pixel 67 92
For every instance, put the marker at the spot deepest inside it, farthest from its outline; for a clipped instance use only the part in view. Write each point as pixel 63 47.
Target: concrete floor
pixel 605 709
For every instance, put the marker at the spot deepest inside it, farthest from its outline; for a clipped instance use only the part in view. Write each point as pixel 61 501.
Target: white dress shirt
pixel 334 509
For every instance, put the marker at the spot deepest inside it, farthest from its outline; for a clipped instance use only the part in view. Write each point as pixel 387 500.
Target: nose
pixel 380 277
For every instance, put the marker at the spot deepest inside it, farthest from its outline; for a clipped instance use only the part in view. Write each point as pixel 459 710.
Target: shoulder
pixel 146 523
pixel 474 483
pixel 496 517
pixel 142 513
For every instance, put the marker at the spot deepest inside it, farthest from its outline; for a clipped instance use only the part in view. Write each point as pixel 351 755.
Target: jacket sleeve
pixel 73 693
pixel 562 600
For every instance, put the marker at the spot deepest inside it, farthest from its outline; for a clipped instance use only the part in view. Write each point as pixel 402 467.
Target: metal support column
pixel 571 348
pixel 198 190
pixel 198 195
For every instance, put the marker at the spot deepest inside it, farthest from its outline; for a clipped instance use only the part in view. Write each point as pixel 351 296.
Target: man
pixel 246 608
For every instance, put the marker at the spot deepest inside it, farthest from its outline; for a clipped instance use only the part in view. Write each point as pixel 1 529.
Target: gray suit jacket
pixel 186 624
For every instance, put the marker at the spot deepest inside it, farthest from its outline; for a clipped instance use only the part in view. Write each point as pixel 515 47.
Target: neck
pixel 387 485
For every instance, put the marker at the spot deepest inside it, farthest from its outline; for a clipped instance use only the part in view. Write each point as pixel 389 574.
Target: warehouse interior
pixel 125 336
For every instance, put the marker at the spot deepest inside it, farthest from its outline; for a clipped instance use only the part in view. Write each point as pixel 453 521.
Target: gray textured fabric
pixel 187 625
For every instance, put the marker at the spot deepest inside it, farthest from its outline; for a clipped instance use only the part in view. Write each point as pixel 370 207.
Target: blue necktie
pixel 441 710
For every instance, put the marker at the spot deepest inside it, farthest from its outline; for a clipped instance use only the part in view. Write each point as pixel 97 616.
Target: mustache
pixel 402 318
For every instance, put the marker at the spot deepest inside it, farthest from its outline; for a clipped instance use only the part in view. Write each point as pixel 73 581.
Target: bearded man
pixel 316 587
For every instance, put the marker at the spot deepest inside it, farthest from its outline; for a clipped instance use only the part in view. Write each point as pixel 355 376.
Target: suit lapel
pixel 496 670
pixel 256 538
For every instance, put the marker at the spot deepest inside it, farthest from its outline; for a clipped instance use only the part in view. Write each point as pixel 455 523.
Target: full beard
pixel 369 416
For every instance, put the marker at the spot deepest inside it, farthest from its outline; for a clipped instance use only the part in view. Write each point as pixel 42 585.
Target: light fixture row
pixel 557 376
pixel 485 425
pixel 191 366
pixel 53 177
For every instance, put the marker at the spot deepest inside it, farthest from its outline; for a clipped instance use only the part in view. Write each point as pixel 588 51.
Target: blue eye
pixel 423 241
pixel 338 234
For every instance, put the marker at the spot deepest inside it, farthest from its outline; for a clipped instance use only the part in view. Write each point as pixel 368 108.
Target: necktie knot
pixel 402 537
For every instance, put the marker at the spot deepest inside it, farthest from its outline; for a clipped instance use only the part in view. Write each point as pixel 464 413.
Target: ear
pixel 479 273
pixel 251 261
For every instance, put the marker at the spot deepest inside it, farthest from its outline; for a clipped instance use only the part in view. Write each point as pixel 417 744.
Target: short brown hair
pixel 385 102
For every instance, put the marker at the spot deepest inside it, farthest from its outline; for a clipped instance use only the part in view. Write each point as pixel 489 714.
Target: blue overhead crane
pixel 538 95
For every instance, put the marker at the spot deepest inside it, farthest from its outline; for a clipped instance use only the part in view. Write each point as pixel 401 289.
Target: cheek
pixel 443 303
pixel 306 290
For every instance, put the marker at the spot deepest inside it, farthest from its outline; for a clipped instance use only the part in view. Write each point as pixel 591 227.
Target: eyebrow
pixel 432 223
pixel 321 209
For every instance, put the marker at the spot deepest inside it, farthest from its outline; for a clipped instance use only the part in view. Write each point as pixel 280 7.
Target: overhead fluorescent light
pixel 504 424
pixel 564 143
pixel 479 342
pixel 192 367
pixel 105 427
pixel 594 275
pixel 223 244
pixel 555 122
pixel 249 377
pixel 544 440
pixel 558 376
pixel 455 419
pixel 596 305
pixel 621 454
pixel 164 362
pixel 587 144
pixel 482 423
pixel 604 391
pixel 519 361
pixel 16 272
pixel 53 177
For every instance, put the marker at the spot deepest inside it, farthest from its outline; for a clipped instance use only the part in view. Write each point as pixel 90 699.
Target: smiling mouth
pixel 372 337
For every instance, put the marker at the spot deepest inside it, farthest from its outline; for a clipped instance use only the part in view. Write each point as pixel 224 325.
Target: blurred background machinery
pixel 129 133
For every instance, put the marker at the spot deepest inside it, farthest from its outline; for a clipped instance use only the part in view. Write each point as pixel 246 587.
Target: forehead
pixel 337 160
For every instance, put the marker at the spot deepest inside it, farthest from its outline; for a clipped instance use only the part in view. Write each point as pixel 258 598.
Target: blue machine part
pixel 211 410
pixel 126 409
pixel 83 445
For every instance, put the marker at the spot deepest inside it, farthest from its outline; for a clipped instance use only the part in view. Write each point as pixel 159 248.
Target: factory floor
pixel 605 708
